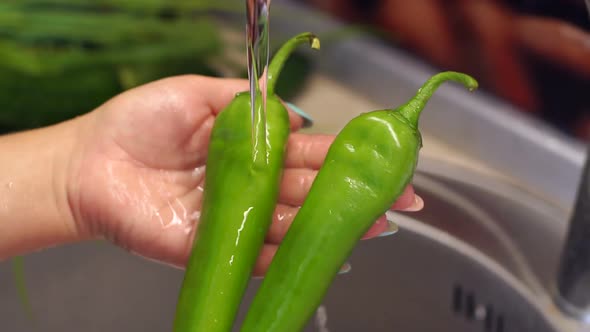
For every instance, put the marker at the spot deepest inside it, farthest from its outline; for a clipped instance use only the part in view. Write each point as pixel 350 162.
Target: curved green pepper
pixel 241 191
pixel 366 169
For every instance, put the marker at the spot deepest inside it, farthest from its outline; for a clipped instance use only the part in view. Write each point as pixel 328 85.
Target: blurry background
pixel 533 53
pixel 60 58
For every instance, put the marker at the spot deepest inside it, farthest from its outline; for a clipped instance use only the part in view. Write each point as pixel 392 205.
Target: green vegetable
pixel 58 61
pixel 244 169
pixel 18 271
pixel 177 7
pixel 366 169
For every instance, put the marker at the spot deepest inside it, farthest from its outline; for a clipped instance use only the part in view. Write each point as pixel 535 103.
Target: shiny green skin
pixel 242 181
pixel 239 200
pixel 366 169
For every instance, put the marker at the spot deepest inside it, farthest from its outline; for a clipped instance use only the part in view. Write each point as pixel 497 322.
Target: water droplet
pixel 176 219
pixel 322 319
pixel 480 312
pixel 195 216
pixel 198 172
pixel 285 215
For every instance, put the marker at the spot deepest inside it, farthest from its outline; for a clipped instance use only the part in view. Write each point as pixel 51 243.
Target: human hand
pixel 137 169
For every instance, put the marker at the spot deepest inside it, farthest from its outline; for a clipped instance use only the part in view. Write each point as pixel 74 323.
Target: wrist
pixel 69 176
pixel 35 213
pixel 64 155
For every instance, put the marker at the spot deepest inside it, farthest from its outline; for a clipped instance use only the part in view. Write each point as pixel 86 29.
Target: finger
pixel 295 120
pixel 264 259
pixel 377 228
pixel 307 151
pixel 416 205
pixel 406 200
pixel 295 185
pixel 221 91
pixel 282 219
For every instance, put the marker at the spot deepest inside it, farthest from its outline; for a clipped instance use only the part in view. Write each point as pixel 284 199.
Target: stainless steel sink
pixel 478 258
pixel 482 256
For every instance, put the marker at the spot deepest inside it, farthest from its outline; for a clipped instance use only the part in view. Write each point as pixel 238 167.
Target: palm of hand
pixel 142 170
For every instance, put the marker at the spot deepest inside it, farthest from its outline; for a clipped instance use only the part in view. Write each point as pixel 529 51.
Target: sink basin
pixel 481 256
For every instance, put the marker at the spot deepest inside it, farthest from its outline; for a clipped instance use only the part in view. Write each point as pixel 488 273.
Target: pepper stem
pixel 278 61
pixel 412 109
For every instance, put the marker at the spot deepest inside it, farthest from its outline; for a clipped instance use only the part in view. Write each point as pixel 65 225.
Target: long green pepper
pixel 366 169
pixel 241 191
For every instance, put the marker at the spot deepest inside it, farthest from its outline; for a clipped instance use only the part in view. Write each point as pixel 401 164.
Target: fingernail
pixel 307 120
pixel 417 206
pixel 345 268
pixel 392 228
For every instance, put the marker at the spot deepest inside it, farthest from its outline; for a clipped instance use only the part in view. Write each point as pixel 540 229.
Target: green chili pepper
pixel 241 191
pixel 366 169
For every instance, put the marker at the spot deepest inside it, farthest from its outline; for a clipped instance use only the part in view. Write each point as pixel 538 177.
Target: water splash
pixel 195 216
pixel 284 215
pixel 321 319
pixel 258 51
pixel 179 217
pixel 198 172
pixel 193 221
pixel 246 213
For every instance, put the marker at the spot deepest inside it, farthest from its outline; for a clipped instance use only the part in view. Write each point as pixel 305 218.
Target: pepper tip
pixel 472 85
pixel 315 43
